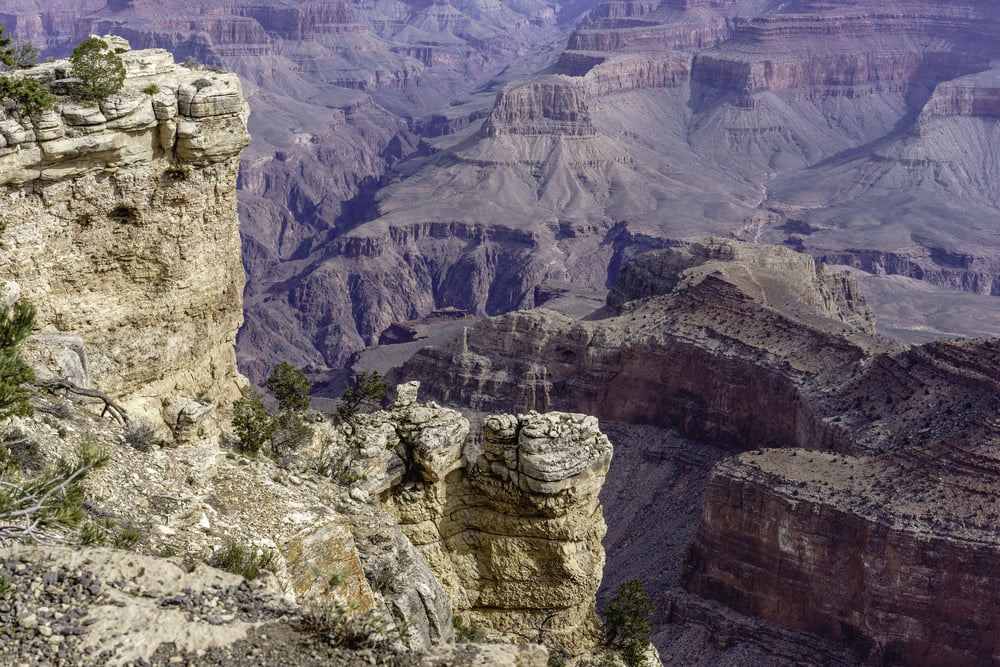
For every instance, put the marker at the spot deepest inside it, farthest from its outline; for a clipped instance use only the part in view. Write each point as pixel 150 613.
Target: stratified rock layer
pixel 122 229
pixel 709 339
pixel 515 539
pixel 881 546
pixel 897 562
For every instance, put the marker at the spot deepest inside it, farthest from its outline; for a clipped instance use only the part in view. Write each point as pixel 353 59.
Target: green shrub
pixel 245 559
pixel 178 172
pixel 127 537
pixel 151 89
pixel 26 96
pixel 52 502
pixel 252 423
pixel 15 325
pixel 25 55
pixel 6 50
pixel 100 71
pixel 367 392
pixel 290 386
pixel 629 622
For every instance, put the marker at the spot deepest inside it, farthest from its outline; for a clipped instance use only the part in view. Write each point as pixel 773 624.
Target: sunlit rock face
pixel 515 538
pixel 122 229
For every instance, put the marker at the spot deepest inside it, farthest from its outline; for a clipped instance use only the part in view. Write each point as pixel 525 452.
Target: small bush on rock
pixel 140 435
pixel 178 172
pixel 290 386
pixel 25 97
pixel 367 393
pixel 16 324
pixel 245 559
pixel 252 423
pixel 629 622
pixel 100 71
pixel 49 506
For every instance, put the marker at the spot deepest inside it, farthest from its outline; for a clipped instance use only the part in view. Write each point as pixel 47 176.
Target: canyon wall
pixel 858 550
pixel 719 340
pixel 122 229
pixel 872 525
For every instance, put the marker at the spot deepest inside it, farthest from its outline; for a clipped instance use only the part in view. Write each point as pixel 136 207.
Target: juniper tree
pixel 48 507
pixel 367 392
pixel 629 622
pixel 25 96
pixel 16 323
pixel 100 71
pixel 290 386
pixel 6 50
pixel 252 423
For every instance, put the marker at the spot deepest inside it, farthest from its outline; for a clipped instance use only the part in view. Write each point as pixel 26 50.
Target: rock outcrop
pixel 708 339
pixel 122 229
pixel 895 560
pixel 516 538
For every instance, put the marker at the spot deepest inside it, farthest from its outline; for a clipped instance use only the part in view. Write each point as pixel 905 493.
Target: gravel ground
pixel 46 610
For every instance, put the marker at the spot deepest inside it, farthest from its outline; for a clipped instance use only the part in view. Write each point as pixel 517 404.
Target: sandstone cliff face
pixel 144 267
pixel 157 601
pixel 514 539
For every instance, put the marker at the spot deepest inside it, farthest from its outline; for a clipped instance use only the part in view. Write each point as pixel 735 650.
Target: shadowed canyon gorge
pixel 759 240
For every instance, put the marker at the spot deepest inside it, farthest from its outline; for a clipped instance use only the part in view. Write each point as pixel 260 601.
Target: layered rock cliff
pixel 338 581
pixel 122 229
pixel 892 556
pixel 708 339
pixel 515 539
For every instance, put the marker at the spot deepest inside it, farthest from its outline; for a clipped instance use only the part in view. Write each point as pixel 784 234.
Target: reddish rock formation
pixel 895 561
pixel 713 340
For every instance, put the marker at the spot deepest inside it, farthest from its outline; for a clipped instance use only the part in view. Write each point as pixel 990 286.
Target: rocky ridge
pixel 142 266
pixel 313 512
pixel 885 450
pixel 744 326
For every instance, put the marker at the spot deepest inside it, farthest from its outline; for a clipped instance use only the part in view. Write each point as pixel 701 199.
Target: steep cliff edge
pixel 122 228
pixel 515 539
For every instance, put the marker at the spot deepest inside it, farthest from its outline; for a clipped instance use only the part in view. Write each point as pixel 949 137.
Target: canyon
pixel 121 226
pixel 737 177
pixel 857 134
pixel 860 509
